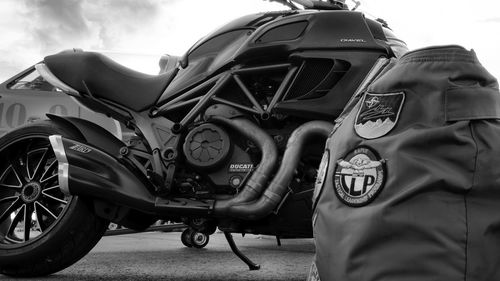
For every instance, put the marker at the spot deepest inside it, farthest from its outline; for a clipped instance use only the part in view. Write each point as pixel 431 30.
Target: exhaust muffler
pixel 88 171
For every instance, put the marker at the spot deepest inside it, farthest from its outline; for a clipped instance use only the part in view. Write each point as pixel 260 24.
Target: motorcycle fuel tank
pixel 271 37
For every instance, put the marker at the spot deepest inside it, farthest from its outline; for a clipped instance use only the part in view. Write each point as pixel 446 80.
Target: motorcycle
pixel 229 138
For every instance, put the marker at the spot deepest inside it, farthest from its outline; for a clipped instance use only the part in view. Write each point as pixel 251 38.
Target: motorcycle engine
pixel 218 158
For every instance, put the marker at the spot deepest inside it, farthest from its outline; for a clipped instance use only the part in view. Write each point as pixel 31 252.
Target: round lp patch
pixel 359 177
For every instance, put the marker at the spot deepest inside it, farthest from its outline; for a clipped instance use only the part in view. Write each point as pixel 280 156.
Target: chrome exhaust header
pixel 257 182
pixel 275 191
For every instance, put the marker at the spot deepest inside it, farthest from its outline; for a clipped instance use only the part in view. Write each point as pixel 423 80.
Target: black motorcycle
pixel 230 138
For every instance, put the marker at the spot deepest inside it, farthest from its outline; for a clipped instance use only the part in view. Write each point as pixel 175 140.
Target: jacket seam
pixel 473 182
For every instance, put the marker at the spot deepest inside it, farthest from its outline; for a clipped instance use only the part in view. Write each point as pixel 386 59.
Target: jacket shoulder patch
pixel 378 114
pixel 359 177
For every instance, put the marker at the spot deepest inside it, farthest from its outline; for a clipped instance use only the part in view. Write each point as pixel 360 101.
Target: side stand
pixel 236 251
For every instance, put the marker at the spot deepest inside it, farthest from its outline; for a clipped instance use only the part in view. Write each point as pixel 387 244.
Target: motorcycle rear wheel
pixel 42 230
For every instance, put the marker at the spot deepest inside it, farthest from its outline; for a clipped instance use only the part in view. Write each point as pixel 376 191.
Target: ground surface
pixel 161 256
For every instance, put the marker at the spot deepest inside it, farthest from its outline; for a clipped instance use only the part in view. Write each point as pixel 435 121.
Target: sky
pixel 138 32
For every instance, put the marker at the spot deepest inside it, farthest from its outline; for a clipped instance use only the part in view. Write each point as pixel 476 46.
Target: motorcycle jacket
pixel 409 188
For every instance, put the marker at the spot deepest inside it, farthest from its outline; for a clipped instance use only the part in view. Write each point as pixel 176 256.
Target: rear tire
pixel 42 230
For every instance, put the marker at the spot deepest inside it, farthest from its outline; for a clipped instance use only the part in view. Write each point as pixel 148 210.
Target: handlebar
pixel 322 5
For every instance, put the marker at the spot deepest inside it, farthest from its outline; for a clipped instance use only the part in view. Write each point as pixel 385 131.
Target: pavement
pixel 161 256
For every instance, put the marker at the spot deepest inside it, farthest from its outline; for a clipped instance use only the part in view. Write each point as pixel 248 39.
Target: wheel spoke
pixel 26 167
pixel 9 186
pixel 9 169
pixel 48 170
pixel 49 178
pixel 26 155
pixel 39 219
pixel 6 214
pixel 46 210
pixel 41 163
pixel 54 198
pixel 28 211
pixel 17 172
pixel 55 187
pixel 12 227
pixel 8 199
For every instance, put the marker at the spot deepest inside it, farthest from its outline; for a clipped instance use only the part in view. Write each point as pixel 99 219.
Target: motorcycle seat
pixel 107 79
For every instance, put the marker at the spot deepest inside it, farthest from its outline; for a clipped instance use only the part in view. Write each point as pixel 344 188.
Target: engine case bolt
pixel 124 151
pixel 235 181
pixel 169 154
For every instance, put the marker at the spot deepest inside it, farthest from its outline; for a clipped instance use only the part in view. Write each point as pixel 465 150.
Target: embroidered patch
pixel 359 177
pixel 378 114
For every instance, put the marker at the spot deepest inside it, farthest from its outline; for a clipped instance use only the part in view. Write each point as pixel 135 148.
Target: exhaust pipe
pixel 259 178
pixel 274 193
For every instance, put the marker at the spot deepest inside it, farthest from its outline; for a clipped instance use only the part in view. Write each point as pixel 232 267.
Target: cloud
pixel 490 20
pixel 33 29
pixel 51 21
pixel 116 21
pixel 8 69
pixel 57 24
